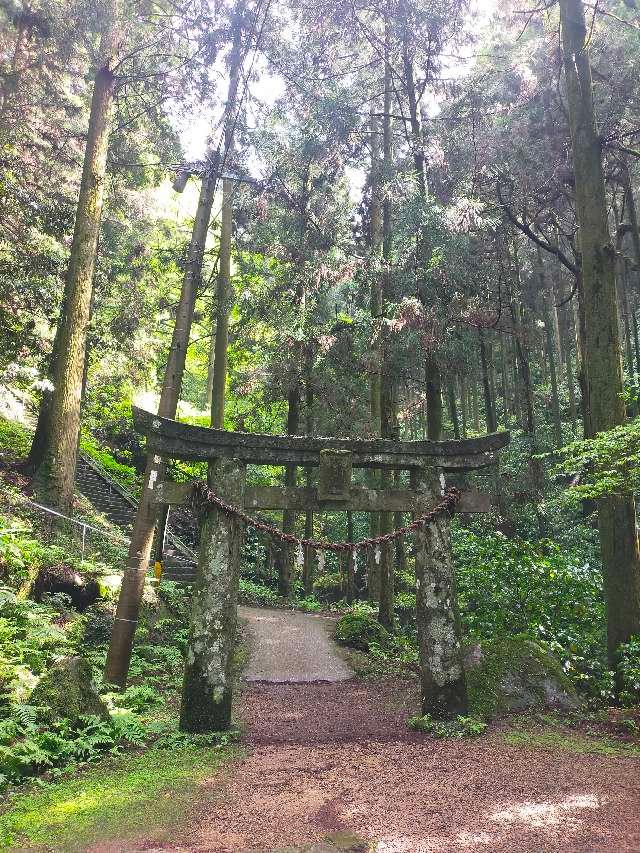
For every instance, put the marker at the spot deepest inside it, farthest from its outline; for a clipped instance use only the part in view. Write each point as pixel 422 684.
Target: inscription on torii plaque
pixel 206 704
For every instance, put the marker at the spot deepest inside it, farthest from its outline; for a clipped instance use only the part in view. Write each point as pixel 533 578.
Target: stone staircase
pixel 119 506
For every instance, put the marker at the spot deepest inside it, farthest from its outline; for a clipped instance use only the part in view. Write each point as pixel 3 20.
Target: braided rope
pixel 203 497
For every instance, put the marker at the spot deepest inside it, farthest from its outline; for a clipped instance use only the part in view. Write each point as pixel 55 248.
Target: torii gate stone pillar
pixel 206 702
pixel 208 674
pixel 444 689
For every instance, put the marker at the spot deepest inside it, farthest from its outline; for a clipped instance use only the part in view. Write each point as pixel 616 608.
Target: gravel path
pixel 338 755
pixel 291 647
pixel 325 757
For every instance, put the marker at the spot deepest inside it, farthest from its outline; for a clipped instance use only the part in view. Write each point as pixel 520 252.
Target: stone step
pixel 108 498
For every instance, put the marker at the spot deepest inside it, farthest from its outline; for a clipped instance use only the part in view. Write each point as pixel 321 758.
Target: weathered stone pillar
pixel 444 689
pixel 208 677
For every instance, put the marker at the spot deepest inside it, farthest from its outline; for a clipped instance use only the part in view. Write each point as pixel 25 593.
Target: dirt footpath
pixel 325 754
pixel 326 757
pixel 287 646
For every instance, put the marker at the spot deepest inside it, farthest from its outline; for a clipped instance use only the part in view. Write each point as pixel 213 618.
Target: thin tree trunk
pixel 630 204
pixel 490 414
pixel 475 405
pixel 224 303
pixel 464 416
pixel 128 609
pixel 636 338
pixel 504 381
pixel 547 306
pixel 386 567
pixel 351 583
pixel 433 383
pixel 453 407
pixel 616 513
pixel 224 292
pixel 308 568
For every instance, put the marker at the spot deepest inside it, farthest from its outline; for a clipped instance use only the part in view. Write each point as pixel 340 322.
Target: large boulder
pixel 83 590
pixel 516 674
pixel 67 690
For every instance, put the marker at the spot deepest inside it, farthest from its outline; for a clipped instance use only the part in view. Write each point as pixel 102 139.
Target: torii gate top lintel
pixel 176 440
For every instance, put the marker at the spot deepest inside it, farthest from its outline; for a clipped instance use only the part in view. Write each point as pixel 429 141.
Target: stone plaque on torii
pixel 225 506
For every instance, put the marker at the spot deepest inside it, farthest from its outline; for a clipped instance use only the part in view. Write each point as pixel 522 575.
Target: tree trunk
pixel 490 413
pixel 504 382
pixel 433 385
pixel 351 581
pixel 464 406
pixel 224 293
pixel 119 654
pixel 630 204
pixel 616 513
pixel 224 302
pixel 444 689
pixel 453 408
pixel 56 473
pixel 636 338
pixel 124 627
pixel 547 297
pixel 308 568
pixel 475 405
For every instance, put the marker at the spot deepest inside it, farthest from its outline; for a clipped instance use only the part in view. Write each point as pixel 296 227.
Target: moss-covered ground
pixel 147 794
pixel 556 740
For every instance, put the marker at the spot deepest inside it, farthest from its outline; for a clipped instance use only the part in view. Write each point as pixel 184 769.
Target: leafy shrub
pixel 405 607
pixel 14 437
pixel 98 624
pixel 29 746
pixel 176 599
pixel 461 727
pixel 629 669
pixel 125 475
pixel 329 587
pixel 137 697
pixel 258 595
pixel 309 604
pixel 405 582
pixel 20 553
pixel 360 629
pixel 28 635
pixel 609 462
pixel 508 587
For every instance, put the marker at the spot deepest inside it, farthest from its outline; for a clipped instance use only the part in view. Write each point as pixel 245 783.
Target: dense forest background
pixel 365 220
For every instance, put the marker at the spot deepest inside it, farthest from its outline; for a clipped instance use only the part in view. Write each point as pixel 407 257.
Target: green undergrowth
pixel 148 793
pixel 14 438
pixel 462 726
pixel 254 594
pixel 124 475
pixel 556 740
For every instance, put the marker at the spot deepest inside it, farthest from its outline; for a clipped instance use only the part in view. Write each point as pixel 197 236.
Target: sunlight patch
pixel 545 814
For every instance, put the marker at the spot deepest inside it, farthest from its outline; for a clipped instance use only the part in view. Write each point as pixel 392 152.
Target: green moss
pixel 67 690
pixel 359 630
pixel 14 437
pixel 569 742
pixel 505 656
pixel 145 793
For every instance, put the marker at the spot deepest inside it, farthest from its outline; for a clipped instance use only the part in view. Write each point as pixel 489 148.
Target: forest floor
pixel 330 755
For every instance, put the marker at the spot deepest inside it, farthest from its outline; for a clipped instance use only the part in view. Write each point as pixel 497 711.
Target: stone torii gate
pixel 207 694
